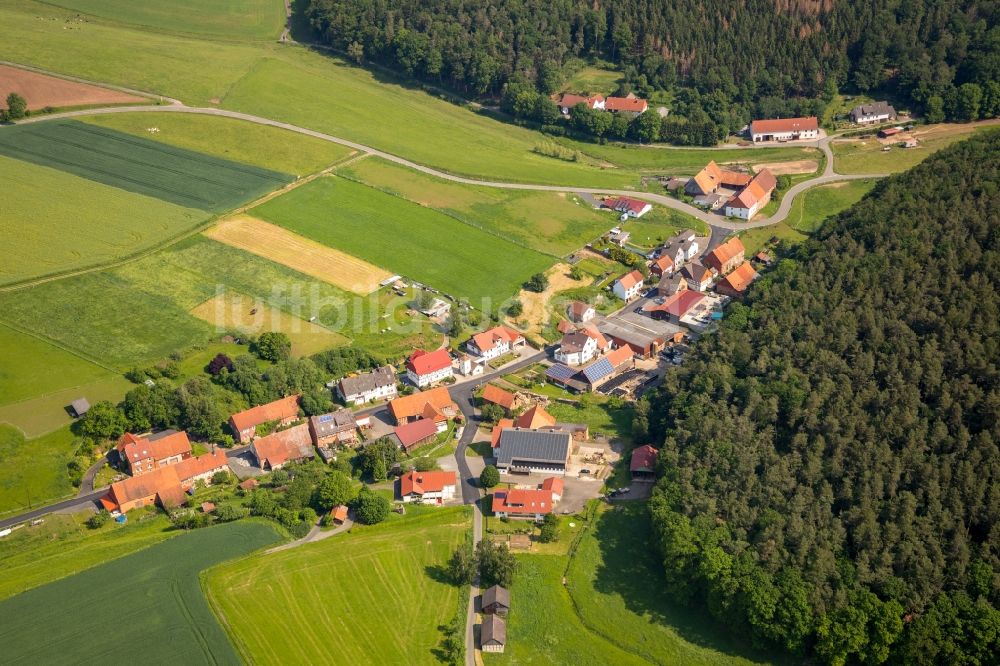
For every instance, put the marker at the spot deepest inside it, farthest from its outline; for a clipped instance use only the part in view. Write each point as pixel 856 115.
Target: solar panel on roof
pixel 560 372
pixel 598 370
pixel 325 417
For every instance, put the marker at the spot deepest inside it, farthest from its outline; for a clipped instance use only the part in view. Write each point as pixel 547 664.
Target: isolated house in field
pixel 725 257
pixel 524 503
pixel 580 312
pixel 80 406
pixel 872 113
pixel 333 429
pixel 643 463
pixel 497 396
pixel 784 129
pixel 436 401
pixel 495 342
pixel 628 286
pixel 379 384
pixel 698 277
pixel 735 284
pixel 628 206
pixel 435 487
pixel 753 197
pixel 493 634
pixel 424 368
pixel 144 454
pixel 712 177
pixel 495 601
pixel 244 424
pixel 416 433
pixel 278 449
pixel 567 101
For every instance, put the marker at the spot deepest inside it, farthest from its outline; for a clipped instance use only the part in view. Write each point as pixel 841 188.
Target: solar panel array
pixel 560 372
pixel 598 370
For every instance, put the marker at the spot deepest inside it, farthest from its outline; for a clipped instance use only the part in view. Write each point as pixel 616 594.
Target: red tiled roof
pixel 133 448
pixel 623 204
pixel 498 396
pixel 424 363
pixel 339 512
pixel 203 464
pixel 564 326
pixel 535 418
pixel 418 483
pixel 498 430
pixel 643 458
pixel 759 188
pixel 619 356
pixel 739 279
pixel 626 104
pixel 784 125
pixel 279 410
pixel 571 100
pixel 663 264
pixel 722 254
pixel 489 339
pixel 249 484
pixel 412 405
pixel 411 434
pixel 629 280
pixel 522 501
pixel 679 304
pixel 712 176
pixel 280 447
pixel 554 484
pixel 592 332
pixel 145 486
pixel 579 308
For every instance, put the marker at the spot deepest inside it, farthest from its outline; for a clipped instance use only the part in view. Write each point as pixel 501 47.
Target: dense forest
pixel 830 472
pixel 726 62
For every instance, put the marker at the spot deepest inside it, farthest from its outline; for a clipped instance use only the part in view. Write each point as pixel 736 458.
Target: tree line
pixel 726 63
pixel 829 465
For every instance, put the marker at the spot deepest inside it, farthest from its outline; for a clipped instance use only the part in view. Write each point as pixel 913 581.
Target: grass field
pixel 156 589
pixel 369 596
pixel 282 246
pixel 41 414
pixel 405 238
pixel 137 164
pixel 755 239
pixel 225 19
pixel 550 222
pixel 593 80
pixel 595 410
pixel 686 161
pixel 33 471
pixel 818 203
pixel 52 221
pixel 63 546
pixel 659 224
pixel 866 155
pixel 237 140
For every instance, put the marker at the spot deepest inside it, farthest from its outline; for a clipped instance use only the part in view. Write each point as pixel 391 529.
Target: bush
pixel 489 477
pixel 537 283
pixel 462 565
pixel 190 520
pixel 424 464
pixel 272 346
pixel 550 529
pixel 229 513
pixel 220 478
pixel 98 520
pixel 515 308
pixel 218 364
pixel 371 508
pixel 299 529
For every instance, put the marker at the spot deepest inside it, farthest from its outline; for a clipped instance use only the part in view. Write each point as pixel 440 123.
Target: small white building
pixel 628 286
pixel 495 342
pixel 426 368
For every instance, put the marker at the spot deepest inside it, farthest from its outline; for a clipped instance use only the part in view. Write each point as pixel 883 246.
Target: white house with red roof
pixel 554 485
pixel 522 503
pixel 436 487
pixel 628 206
pixel 425 368
pixel 631 106
pixel 628 286
pixel 146 453
pixel 495 342
pixel 567 101
pixel 784 129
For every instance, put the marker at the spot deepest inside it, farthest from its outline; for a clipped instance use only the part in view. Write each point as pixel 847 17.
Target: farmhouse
pixel 495 342
pixel 576 348
pixel 580 312
pixel 628 207
pixel 567 101
pixel 437 487
pixel 662 265
pixel 726 257
pixel 163 485
pixel 335 428
pixel 492 634
pixel 736 283
pixel 630 106
pixel 413 434
pixel 497 396
pixel 278 449
pixel 712 177
pixel 628 286
pixel 784 129
pixel 379 384
pixel 872 113
pixel 545 451
pixel 698 277
pixel 522 503
pixel 643 463
pixel 411 407
pixel 425 368
pixel 144 454
pixel 495 600
pixel 753 197
pixel 244 424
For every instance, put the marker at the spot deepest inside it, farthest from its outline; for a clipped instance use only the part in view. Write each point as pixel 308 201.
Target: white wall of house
pixel 523 516
pixel 445 494
pixel 499 348
pixel 588 352
pixel 430 378
pixel 786 136
pixel 627 294
pixel 387 392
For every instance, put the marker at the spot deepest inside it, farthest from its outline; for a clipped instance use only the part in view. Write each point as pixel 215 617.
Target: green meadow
pixel 550 222
pixel 372 595
pixel 855 156
pixel 406 238
pixel 813 206
pixel 26 365
pixel 218 19
pixel 33 472
pixel 248 143
pixel 155 592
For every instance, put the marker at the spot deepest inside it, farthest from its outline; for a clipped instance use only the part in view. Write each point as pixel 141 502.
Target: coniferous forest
pixel 726 62
pixel 830 459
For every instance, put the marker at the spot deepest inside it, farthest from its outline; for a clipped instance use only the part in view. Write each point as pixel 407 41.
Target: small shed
pixel 207 507
pixel 496 600
pixel 80 406
pixel 493 634
pixel 249 484
pixel 338 514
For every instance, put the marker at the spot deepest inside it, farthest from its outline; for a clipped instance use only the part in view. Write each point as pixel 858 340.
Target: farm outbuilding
pixel 80 406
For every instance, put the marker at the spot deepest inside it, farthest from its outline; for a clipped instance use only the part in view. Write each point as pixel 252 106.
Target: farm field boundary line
pixel 57 345
pixel 75 79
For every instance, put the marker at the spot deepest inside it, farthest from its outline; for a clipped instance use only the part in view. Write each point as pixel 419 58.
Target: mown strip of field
pixel 369 596
pixel 406 238
pixel 136 164
pixel 149 603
